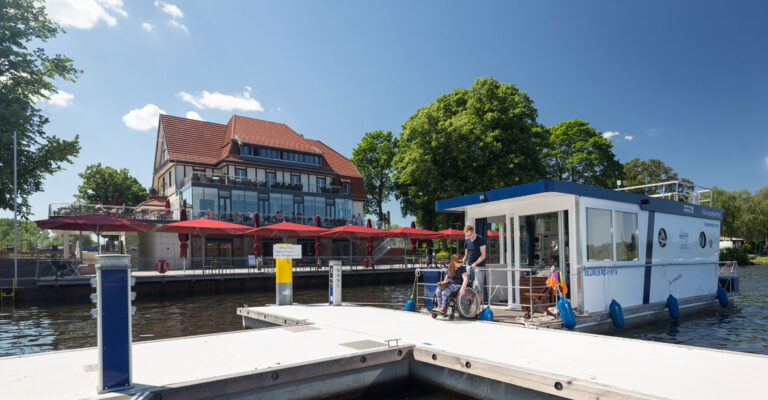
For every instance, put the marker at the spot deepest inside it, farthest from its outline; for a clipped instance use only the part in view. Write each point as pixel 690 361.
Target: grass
pixel 761 260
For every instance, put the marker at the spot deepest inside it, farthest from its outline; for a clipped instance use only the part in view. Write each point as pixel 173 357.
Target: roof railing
pixel 676 190
pixel 140 213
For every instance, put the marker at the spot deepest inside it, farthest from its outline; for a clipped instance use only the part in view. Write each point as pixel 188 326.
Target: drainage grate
pixel 301 328
pixel 364 344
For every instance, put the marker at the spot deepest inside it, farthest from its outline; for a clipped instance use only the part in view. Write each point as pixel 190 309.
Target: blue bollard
pixel 674 308
pixel 617 314
pixel 722 296
pixel 486 314
pixel 410 305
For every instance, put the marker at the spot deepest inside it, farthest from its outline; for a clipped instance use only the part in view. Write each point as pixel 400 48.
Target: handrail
pixel 232 180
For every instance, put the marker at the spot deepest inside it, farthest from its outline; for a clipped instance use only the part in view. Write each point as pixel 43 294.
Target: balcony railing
pixel 74 209
pixel 239 181
pixel 244 218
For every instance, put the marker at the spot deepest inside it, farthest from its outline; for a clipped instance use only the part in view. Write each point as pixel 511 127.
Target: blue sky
pixel 683 82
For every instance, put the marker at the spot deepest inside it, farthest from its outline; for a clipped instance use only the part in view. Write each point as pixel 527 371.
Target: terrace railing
pixel 221 179
pixel 74 209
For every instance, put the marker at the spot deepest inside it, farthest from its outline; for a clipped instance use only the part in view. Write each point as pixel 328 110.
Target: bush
pixel 738 254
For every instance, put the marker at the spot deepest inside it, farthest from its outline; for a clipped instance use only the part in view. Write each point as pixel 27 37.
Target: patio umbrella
pixel 318 242
pixel 453 234
pixel 256 238
pixel 369 244
pixel 413 233
pixel 413 241
pixel 95 223
pixel 350 232
pixel 203 227
pixel 183 239
pixel 286 229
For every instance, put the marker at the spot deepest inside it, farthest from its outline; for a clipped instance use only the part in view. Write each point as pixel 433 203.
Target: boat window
pixel 599 235
pixel 626 236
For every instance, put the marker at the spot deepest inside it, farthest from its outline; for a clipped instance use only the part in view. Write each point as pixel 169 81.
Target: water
pixel 23 330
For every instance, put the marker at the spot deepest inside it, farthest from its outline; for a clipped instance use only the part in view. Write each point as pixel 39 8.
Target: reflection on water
pixel 741 327
pixel 25 330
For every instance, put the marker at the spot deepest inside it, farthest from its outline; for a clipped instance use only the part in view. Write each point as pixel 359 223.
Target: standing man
pixel 474 256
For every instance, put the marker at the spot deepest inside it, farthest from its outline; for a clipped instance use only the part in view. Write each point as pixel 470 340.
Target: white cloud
pixel 61 98
pixel 629 137
pixel 147 26
pixel 143 119
pixel 174 12
pixel 84 14
pixel 194 115
pixel 610 134
pixel 223 102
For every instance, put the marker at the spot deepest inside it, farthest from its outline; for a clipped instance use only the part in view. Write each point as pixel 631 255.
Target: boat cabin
pixel 607 244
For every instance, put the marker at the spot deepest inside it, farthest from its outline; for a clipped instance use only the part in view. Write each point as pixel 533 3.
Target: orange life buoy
pixel 162 266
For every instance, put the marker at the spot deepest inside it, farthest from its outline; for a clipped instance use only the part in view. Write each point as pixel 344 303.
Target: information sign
pixel 286 251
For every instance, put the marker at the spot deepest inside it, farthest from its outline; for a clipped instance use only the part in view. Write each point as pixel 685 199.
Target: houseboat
pixel 606 244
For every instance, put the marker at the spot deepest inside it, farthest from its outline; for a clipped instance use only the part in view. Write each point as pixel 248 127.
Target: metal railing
pixel 489 290
pixel 141 213
pixel 230 180
pixel 675 190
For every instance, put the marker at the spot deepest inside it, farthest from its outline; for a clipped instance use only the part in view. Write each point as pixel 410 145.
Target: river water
pixel 29 329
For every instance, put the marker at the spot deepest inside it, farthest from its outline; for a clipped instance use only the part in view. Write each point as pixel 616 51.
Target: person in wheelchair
pixel 456 281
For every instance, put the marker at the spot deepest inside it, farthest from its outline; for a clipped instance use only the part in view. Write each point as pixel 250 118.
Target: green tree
pixel 644 172
pixel 735 206
pixel 757 217
pixel 100 184
pixel 30 236
pixel 373 158
pixel 577 153
pixel 469 140
pixel 26 76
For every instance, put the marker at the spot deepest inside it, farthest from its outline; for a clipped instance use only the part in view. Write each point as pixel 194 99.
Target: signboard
pixel 286 251
pixel 251 259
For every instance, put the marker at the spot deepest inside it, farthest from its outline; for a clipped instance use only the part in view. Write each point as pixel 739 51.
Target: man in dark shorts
pixel 474 256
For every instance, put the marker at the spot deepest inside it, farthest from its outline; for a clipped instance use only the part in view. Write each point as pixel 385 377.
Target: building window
pixel 599 235
pixel 345 187
pixel 320 183
pixel 245 150
pixel 271 178
pixel 330 208
pixel 626 236
pixel 199 172
pixel 240 174
pixel 295 179
pixel 263 204
pixel 298 208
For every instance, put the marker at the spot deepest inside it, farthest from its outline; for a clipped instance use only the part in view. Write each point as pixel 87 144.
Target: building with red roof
pixel 232 171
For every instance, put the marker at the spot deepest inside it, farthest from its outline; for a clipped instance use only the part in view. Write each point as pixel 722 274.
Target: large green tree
pixel 373 158
pixel 470 140
pixel 26 77
pixel 102 183
pixel 577 153
pixel 736 206
pixel 643 172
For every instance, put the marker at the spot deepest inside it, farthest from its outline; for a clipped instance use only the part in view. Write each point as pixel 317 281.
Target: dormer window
pixel 248 150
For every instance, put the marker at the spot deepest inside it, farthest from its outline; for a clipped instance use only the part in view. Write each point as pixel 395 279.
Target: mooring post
pixel 335 288
pixel 113 299
pixel 284 254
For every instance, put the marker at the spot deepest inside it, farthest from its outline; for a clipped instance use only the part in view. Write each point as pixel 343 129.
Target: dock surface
pixel 587 364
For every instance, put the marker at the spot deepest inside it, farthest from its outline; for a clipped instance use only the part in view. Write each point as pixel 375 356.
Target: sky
pixel 684 82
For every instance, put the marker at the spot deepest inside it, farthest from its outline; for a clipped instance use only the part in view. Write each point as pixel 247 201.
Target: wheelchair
pixel 466 305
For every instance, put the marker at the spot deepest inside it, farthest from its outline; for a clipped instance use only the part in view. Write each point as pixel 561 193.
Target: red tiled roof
pixel 336 161
pixel 152 203
pixel 266 133
pixel 192 140
pixel 210 143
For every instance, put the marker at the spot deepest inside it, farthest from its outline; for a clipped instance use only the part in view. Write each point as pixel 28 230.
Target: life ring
pixel 162 266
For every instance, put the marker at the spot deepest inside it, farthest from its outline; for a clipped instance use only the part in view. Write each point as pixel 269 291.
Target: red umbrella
pixel 287 229
pixel 413 233
pixel 452 234
pixel 354 231
pixel 413 241
pixel 95 223
pixel 183 237
pixel 256 238
pixel 167 211
pixel 203 227
pixel 318 242
pixel 369 243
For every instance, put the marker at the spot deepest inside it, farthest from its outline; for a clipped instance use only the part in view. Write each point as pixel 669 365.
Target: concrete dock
pixel 585 365
pixel 319 351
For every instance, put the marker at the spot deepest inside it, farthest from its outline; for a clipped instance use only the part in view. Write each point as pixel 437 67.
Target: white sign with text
pixel 286 251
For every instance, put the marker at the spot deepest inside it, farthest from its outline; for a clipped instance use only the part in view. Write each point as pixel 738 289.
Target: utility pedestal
pixel 114 312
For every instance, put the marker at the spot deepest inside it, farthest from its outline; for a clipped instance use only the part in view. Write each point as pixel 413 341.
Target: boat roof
pixel 646 203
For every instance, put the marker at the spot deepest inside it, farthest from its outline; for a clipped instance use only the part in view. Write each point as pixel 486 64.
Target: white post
pixel 508 261
pixel 15 212
pixel 517 257
pixel 335 267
